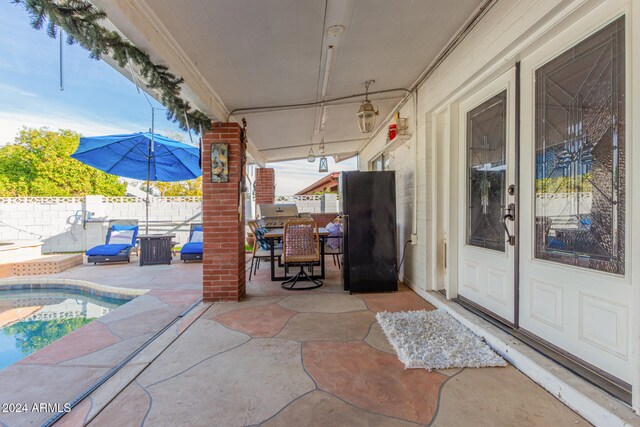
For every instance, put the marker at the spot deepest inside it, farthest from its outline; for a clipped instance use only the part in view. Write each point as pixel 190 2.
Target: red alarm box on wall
pixel 392 131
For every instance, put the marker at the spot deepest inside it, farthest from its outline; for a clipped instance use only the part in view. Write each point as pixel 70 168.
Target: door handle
pixel 510 214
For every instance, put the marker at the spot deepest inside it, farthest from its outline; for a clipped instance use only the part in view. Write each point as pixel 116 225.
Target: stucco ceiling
pixel 255 53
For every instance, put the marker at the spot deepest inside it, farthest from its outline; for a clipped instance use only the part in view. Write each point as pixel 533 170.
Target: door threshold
pixel 606 382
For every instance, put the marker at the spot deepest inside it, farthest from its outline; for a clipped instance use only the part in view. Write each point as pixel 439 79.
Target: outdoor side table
pixel 155 248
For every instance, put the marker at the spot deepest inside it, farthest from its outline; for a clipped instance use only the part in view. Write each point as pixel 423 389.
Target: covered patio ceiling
pixel 248 54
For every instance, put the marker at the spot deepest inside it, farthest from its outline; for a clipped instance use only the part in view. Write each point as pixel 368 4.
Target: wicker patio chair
pixel 261 247
pixel 300 247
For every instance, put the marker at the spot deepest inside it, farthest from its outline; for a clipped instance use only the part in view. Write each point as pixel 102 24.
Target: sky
pixel 96 100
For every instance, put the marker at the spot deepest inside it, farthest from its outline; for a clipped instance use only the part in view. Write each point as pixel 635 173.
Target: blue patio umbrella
pixel 142 155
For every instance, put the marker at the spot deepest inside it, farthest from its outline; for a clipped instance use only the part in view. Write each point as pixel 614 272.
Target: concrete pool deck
pixel 64 369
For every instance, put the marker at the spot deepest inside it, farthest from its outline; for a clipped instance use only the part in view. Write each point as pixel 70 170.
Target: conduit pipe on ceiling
pixel 310 104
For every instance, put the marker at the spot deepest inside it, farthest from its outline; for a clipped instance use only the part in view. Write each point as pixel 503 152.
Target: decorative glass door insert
pixel 486 168
pixel 580 154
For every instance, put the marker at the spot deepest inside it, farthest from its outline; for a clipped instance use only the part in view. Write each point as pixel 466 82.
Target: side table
pixel 155 248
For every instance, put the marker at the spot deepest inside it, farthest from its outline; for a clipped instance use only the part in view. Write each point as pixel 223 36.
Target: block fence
pixel 75 224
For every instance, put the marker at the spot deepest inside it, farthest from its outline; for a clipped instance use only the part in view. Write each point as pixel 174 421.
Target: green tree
pixel 33 335
pixel 192 187
pixel 38 163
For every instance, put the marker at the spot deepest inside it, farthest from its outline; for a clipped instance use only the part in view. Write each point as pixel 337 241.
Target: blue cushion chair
pixel 192 250
pixel 119 242
pixel 262 248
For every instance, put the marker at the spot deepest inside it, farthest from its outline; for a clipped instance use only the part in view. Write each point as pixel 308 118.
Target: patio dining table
pixel 276 234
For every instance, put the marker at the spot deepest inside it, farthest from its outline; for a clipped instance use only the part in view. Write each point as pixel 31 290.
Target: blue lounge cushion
pixel 107 250
pixel 191 248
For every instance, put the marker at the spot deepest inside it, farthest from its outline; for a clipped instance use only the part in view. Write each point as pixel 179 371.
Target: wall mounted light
pixel 367 114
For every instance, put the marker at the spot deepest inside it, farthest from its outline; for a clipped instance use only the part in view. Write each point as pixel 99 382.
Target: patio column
pixel 265 186
pixel 223 263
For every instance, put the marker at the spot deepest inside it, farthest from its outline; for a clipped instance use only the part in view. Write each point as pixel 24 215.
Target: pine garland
pixel 79 19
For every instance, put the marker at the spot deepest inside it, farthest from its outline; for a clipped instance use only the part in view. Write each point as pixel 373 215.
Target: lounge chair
pixel 192 250
pixel 120 240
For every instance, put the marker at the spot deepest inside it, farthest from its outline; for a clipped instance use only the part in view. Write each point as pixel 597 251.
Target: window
pixel 580 154
pixel 486 173
pixel 381 163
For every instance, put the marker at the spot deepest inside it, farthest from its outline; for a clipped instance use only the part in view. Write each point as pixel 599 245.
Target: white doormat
pixel 435 340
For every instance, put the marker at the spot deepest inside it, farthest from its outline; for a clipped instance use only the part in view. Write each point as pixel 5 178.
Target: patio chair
pixel 119 242
pixel 334 243
pixel 300 248
pixel 261 248
pixel 192 250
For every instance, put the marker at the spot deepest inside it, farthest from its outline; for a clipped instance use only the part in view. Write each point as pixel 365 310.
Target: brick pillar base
pixel 265 186
pixel 223 261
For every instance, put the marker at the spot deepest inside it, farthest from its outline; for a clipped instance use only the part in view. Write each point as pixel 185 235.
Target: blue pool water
pixel 32 318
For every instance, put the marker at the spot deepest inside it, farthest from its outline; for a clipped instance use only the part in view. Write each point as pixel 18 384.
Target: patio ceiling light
pixel 324 165
pixel 367 114
pixel 311 157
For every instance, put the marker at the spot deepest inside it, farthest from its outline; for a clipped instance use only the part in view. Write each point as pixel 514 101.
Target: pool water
pixel 33 318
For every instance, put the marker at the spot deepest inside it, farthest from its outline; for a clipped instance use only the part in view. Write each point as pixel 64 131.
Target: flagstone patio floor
pixel 278 358
pixel 282 358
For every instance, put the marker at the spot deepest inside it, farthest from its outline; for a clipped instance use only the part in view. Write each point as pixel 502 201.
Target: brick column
pixel 265 186
pixel 223 263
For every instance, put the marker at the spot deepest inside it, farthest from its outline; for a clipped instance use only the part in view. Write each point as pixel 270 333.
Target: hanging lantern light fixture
pixel 311 157
pixel 367 114
pixel 324 165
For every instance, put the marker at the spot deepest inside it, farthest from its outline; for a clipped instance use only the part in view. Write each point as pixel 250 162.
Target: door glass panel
pixel 580 154
pixel 486 173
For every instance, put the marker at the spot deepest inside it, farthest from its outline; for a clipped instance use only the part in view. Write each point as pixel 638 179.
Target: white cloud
pixel 16 91
pixel 11 123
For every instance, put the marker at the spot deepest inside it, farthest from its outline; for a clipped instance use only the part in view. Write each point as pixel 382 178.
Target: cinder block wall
pixel 58 221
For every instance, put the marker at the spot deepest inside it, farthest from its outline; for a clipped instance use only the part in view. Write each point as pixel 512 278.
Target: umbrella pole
pixel 149 171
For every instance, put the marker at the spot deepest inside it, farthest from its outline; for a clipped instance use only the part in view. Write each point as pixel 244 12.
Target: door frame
pixel 505 81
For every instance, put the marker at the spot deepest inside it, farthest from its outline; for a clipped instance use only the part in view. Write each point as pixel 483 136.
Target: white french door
pixel 486 173
pixel 575 287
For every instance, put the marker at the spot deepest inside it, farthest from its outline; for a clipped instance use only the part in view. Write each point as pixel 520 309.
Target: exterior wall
pixel 508 32
pixel 58 221
pixel 265 186
pixel 223 264
pixel 403 160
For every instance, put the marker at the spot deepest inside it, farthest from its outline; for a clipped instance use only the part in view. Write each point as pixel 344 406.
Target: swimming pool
pixel 33 318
